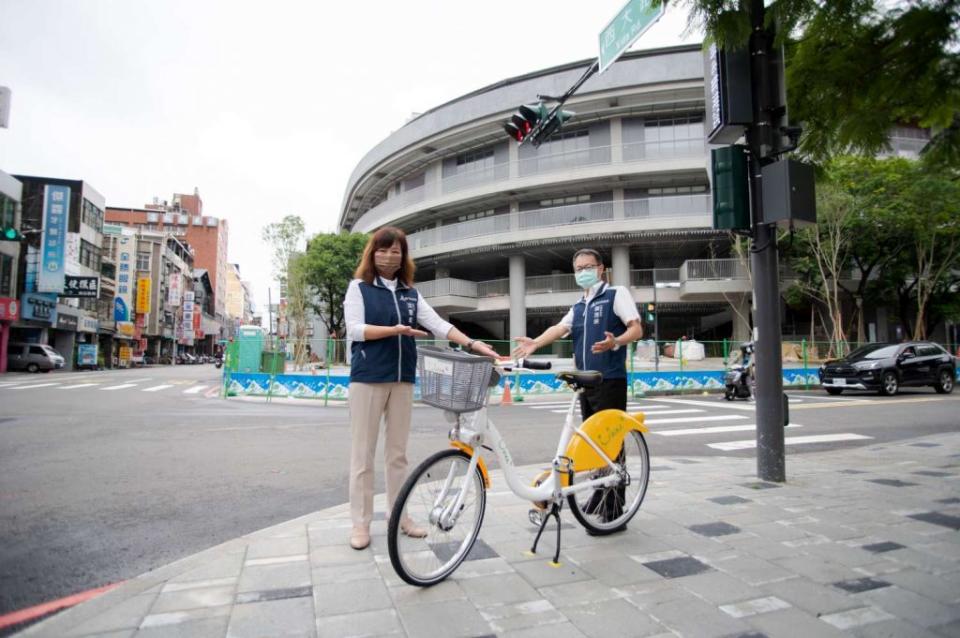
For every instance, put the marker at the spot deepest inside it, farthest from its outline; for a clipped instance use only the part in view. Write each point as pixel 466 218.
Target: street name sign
pixel 629 24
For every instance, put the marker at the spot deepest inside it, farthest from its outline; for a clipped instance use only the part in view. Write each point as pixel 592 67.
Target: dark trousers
pixel 611 394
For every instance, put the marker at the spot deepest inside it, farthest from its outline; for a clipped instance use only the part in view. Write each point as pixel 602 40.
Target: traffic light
pixel 731 190
pixel 551 126
pixel 9 233
pixel 525 120
pixel 650 313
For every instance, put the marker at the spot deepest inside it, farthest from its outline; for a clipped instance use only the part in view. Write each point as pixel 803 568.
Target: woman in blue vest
pixel 381 310
pixel 602 323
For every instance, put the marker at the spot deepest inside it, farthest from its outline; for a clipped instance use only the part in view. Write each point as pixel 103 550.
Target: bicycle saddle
pixel 584 379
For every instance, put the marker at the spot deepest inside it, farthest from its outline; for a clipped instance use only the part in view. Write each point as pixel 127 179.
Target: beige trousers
pixel 369 403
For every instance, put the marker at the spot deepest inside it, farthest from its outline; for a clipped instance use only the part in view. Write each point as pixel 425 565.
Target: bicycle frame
pixel 486 436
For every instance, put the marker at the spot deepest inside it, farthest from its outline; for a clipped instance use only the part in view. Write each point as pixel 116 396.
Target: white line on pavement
pixel 790 440
pixel 714 430
pixel 157 388
pixel 120 387
pixel 79 385
pixel 38 385
pixel 3 385
pixel 686 411
pixel 695 419
pixel 749 407
pixel 195 389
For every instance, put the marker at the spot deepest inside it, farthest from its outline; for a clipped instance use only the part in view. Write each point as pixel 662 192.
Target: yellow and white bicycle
pixel 601 468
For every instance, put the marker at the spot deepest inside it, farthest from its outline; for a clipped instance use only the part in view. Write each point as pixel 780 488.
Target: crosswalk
pixel 711 422
pixel 181 386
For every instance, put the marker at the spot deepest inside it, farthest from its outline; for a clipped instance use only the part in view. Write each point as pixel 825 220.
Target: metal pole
pixel 771 465
pixel 656 324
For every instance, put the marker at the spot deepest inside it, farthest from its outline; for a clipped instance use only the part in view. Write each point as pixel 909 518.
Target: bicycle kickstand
pixel 555 513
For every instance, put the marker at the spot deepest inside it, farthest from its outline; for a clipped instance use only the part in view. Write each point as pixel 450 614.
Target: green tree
pixel 856 68
pixel 285 238
pixel 328 267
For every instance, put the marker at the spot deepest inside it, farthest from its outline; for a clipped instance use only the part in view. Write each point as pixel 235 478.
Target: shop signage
pixel 36 306
pixel 126 353
pixel 66 322
pixel 75 286
pixel 125 328
pixel 175 289
pixel 9 309
pixel 86 354
pixel 143 295
pixel 120 312
pixel 123 301
pixel 56 208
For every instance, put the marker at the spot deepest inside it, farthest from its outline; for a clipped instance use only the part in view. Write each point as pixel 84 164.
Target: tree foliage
pixel 284 237
pixel 896 221
pixel 328 266
pixel 857 68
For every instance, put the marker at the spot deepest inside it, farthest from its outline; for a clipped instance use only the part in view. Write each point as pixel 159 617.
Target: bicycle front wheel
pixel 427 540
pixel 606 510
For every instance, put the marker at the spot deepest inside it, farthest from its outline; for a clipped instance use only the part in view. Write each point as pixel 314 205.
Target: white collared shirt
pixel 354 312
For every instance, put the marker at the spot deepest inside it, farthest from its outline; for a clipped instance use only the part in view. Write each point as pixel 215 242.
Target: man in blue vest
pixel 602 323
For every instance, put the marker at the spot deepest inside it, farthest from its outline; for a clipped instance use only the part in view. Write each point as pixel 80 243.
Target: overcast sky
pixel 266 107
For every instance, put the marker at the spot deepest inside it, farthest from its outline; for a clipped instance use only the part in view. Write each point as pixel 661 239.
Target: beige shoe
pixel 411 529
pixel 360 538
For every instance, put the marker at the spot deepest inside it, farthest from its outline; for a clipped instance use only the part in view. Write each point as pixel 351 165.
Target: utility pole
pixel 771 462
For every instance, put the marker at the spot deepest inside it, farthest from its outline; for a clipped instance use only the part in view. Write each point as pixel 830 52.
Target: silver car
pixel 33 357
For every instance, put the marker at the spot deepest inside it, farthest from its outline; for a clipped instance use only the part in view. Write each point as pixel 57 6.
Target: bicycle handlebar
pixel 527 364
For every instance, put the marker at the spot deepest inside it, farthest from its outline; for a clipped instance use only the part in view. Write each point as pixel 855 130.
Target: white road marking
pixel 790 440
pixel 195 389
pixel 731 405
pixel 38 385
pixel 120 387
pixel 3 385
pixel 687 411
pixel 714 430
pixel 79 385
pixel 695 419
pixel 157 388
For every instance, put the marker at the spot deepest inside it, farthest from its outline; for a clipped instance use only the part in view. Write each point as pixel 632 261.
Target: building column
pixel 741 318
pixel 4 343
pixel 619 212
pixel 621 266
pixel 616 140
pixel 513 157
pixel 518 297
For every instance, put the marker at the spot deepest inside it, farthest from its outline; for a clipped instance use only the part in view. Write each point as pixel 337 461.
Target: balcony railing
pixel 448 286
pixel 713 270
pixel 537 284
pixel 544 163
pixel 650 207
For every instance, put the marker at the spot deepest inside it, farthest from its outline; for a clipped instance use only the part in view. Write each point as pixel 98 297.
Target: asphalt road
pixel 107 475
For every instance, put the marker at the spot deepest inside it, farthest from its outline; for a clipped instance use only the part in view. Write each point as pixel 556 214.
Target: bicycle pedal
pixel 536 516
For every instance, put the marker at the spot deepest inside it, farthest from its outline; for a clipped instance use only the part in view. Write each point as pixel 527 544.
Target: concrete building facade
pixel 493 225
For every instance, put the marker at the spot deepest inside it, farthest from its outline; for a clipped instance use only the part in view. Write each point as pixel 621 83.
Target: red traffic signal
pixel 525 120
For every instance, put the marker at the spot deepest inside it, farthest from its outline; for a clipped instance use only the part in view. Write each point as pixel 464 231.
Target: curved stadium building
pixel 493 225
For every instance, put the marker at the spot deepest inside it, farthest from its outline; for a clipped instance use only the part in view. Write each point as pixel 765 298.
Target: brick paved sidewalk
pixel 859 542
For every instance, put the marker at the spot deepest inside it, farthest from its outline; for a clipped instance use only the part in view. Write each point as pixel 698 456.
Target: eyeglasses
pixel 586 267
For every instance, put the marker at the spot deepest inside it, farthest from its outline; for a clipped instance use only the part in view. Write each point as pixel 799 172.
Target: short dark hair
pixel 588 251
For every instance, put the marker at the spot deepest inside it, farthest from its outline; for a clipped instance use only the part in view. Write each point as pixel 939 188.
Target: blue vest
pixel 590 321
pixel 390 359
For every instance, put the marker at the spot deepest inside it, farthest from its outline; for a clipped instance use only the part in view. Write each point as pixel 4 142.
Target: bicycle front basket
pixel 452 380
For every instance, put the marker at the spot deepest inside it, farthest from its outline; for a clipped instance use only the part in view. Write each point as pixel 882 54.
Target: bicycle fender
pixel 607 429
pixel 463 447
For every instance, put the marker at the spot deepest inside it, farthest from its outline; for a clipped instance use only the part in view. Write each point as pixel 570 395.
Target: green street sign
pixel 629 24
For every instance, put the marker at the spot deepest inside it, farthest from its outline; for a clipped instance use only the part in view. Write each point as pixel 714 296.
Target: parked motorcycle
pixel 737 381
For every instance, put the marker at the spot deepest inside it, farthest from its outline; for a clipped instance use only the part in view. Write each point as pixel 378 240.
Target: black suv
pixel 885 367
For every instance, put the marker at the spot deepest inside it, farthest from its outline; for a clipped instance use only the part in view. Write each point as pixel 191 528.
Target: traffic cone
pixel 506 399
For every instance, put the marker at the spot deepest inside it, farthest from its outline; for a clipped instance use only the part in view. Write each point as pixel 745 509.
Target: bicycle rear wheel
pixel 606 510
pixel 425 502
